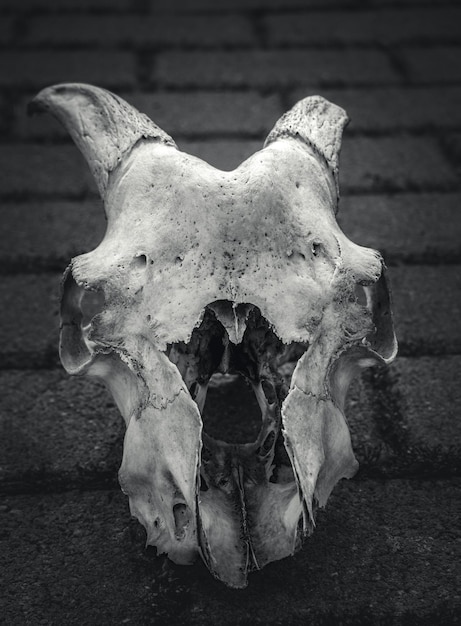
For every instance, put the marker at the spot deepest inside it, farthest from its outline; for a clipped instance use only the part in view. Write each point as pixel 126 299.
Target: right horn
pixel 104 127
pixel 318 123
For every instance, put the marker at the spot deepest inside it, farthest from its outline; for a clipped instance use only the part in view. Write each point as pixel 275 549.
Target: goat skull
pixel 204 271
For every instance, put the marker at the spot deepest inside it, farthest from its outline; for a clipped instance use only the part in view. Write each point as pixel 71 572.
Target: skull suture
pixel 243 273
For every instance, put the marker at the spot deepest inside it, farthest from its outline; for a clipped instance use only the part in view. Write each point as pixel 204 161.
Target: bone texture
pixel 105 132
pixel 205 272
pixel 319 124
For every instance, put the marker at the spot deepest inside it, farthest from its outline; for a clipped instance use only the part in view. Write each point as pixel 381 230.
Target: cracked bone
pixel 205 273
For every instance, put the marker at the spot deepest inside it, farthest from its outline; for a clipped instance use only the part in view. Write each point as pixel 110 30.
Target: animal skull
pixel 205 272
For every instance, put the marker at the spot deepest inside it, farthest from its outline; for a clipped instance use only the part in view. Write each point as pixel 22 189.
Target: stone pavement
pixel 217 74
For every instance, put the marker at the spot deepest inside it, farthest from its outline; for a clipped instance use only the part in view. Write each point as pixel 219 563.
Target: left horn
pixel 103 126
pixel 318 124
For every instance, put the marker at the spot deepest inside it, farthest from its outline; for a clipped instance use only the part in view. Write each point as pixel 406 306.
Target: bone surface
pixel 205 277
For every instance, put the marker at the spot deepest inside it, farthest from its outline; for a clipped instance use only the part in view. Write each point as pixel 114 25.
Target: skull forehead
pixel 207 235
pixel 171 201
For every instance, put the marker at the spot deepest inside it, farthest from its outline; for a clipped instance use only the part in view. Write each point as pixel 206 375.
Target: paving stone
pixel 452 144
pixel 416 227
pixel 6 31
pixel 140 31
pixel 394 164
pixel 430 401
pixel 40 68
pixel 55 232
pixel 395 108
pixel 367 441
pixel 5 117
pixel 66 5
pixel 427 308
pixel 201 113
pixel 381 553
pixel 405 2
pixel 225 154
pixel 271 68
pixel 56 430
pixel 433 65
pixel 30 327
pixel 44 169
pixel 364 27
pixel 224 6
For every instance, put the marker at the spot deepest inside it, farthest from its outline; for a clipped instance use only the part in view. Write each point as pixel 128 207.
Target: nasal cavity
pixel 231 412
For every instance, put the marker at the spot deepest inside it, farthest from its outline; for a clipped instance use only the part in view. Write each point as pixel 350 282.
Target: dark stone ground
pixel 217 74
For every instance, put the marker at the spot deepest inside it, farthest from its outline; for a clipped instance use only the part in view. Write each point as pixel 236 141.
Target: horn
pixel 103 126
pixel 319 124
